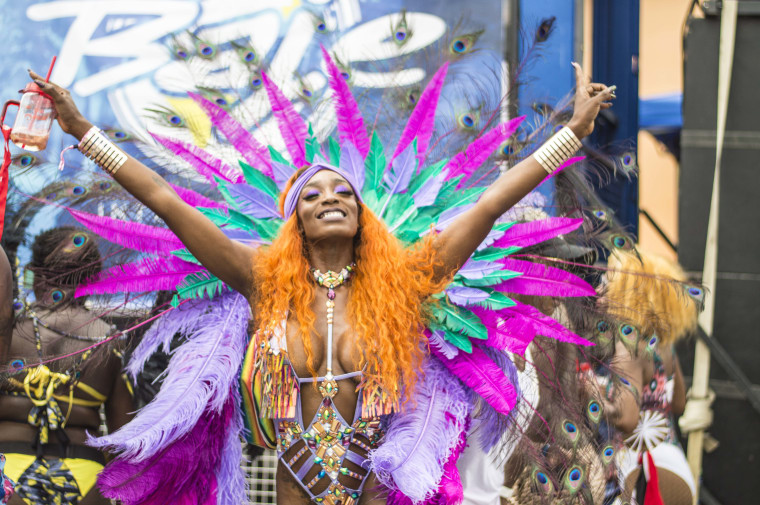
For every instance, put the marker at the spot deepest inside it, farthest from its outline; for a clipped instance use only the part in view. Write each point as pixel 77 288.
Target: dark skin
pixel 329 243
pixel 102 371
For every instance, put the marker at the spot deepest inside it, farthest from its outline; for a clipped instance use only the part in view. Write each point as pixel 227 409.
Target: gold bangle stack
pixel 99 148
pixel 557 150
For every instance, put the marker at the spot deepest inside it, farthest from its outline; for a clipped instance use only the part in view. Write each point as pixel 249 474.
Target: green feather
pixel 259 180
pixel 334 151
pixel 496 301
pixel 491 278
pixel 461 320
pixel 186 255
pixel 460 197
pixel 230 218
pixel 267 228
pixel 400 207
pixel 276 156
pixel 311 146
pixel 421 222
pixel 198 285
pixel 425 175
pixel 494 253
pixel 374 165
pixel 456 339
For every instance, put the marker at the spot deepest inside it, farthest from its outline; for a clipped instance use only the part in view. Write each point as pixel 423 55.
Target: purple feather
pixel 492 237
pixel 248 237
pixel 193 198
pixel 351 161
pixel 502 335
pixel 420 440
pixel 469 160
pixel 542 280
pixel 229 475
pixel 281 173
pixel 397 179
pixel 422 120
pixel 183 473
pixel 200 375
pixel 137 236
pixel 241 139
pixel 481 374
pixel 427 194
pixel 517 318
pixel 292 126
pixel 437 340
pixel 351 126
pixel 163 330
pixel 149 274
pixel 252 201
pixel 449 215
pixel 535 232
pixel 492 425
pixel 569 162
pixel 206 164
pixel 477 269
pixel 464 296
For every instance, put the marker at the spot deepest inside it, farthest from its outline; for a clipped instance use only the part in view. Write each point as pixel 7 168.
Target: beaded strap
pixel 557 149
pixel 99 148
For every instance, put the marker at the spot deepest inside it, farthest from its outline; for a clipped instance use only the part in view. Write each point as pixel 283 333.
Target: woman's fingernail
pixel 612 88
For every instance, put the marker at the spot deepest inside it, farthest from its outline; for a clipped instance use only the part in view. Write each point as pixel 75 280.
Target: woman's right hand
pixel 69 118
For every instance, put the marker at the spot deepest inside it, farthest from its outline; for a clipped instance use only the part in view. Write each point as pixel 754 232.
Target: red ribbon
pixel 653 496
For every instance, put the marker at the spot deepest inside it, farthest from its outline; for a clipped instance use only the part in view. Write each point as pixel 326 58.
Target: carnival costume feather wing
pixel 472 319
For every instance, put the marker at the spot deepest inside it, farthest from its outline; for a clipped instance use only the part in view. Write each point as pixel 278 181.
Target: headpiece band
pixel 291 199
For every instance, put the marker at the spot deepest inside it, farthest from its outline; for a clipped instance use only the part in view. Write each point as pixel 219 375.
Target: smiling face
pixel 327 208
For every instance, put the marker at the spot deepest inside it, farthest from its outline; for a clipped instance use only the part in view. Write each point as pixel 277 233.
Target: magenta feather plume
pixel 137 236
pixel 422 120
pixel 514 338
pixel 481 374
pixel 199 377
pixel 535 232
pixel 491 425
pixel 522 316
pixel 193 198
pixel 149 274
pixel 542 280
pixel 468 161
pixel 229 474
pixel 292 126
pixel 204 163
pixel 569 162
pixel 351 126
pixel 183 473
pixel 419 440
pixel 450 489
pixel 179 320
pixel 241 139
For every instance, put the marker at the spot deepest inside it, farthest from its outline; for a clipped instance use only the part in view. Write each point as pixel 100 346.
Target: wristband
pixel 557 150
pixel 96 146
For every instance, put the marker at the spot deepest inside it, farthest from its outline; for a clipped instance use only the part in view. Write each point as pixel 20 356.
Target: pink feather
pixel 535 232
pixel 206 165
pixel 569 162
pixel 484 376
pixel 149 274
pixel 510 337
pixel 137 236
pixel 193 198
pixel 292 126
pixel 517 319
pixel 422 120
pixel 542 280
pixel 241 139
pixel 469 160
pixel 350 122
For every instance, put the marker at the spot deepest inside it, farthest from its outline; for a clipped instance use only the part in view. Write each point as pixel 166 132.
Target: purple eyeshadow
pixel 311 192
pixel 340 188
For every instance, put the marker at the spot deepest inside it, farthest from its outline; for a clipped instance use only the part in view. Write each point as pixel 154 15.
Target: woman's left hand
pixel 590 98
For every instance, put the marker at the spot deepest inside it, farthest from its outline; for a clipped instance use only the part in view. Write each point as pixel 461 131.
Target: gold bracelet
pixel 557 150
pixel 99 148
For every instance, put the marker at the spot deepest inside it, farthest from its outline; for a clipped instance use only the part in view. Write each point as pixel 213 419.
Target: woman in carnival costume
pixel 649 291
pixel 377 333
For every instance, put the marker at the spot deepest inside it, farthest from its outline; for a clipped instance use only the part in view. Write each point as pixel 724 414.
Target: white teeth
pixel 333 213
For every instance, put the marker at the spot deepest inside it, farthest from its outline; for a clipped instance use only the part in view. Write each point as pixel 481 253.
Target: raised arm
pixel 464 235
pixel 230 261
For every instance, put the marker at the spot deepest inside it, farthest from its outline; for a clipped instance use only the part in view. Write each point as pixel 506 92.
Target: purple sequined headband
pixel 291 199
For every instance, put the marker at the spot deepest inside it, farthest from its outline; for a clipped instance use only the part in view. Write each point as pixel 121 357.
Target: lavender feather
pixel 206 164
pixel 252 201
pixel 422 119
pixel 149 274
pixel 352 162
pixel 199 377
pixel 427 194
pixel 493 425
pixel 137 236
pixel 462 295
pixel 449 215
pixel 477 269
pixel 397 180
pixel 351 126
pixel 292 126
pixel 281 173
pixel 419 441
pixel 542 280
pixel 437 340
pixel 241 139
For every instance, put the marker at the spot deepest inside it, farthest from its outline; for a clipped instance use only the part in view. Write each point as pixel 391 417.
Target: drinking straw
pixel 50 70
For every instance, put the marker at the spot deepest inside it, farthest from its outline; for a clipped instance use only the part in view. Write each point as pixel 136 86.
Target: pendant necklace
pixel 331 280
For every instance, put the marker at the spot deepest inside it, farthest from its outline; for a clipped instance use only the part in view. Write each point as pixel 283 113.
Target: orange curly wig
pixel 387 303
